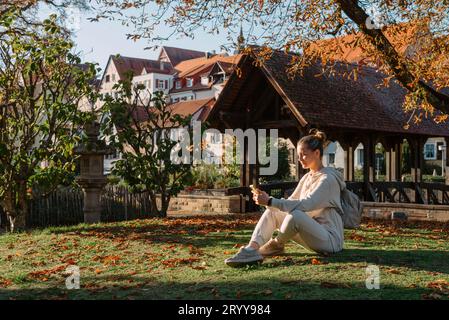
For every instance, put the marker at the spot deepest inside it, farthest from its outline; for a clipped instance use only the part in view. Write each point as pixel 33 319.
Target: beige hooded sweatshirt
pixel 318 194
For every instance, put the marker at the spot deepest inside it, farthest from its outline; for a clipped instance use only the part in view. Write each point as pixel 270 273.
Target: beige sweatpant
pixel 296 225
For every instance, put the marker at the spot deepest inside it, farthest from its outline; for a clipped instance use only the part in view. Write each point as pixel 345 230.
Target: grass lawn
pixel 182 258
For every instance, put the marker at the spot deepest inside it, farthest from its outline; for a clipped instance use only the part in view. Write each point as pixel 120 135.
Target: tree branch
pixel 400 70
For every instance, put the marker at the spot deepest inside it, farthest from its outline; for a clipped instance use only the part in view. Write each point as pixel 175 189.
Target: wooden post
pixel 388 164
pixel 417 165
pixel 348 154
pixel 416 148
pixel 243 181
pixel 390 160
pixel 368 166
pixel 296 162
pixel 397 160
pixel 254 168
pixel 421 142
pixel 446 139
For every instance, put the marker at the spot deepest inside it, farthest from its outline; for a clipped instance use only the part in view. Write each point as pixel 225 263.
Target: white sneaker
pixel 244 257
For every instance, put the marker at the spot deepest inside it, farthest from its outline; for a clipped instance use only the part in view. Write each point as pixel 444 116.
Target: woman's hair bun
pixel 320 135
pixel 315 140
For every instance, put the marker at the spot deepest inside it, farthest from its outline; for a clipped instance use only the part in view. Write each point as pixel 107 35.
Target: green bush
pixel 283 172
pixel 429 168
pixel 425 178
pixel 212 176
pixel 435 179
pixel 204 176
pixel 358 175
pixel 405 158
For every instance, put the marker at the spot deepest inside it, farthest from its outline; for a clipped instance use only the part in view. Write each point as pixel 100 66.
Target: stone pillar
pixel 92 204
pixel 91 177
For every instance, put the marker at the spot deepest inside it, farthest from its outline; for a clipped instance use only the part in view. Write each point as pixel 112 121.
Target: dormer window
pixel 204 81
pixel 178 84
pixel 189 82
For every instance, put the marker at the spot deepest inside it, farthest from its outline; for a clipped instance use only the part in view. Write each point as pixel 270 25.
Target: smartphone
pixel 254 189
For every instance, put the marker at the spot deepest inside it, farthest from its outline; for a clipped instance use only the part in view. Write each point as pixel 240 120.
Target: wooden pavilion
pixel 262 95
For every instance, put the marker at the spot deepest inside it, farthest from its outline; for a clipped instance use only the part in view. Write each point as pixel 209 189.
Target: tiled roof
pixel 188 67
pixel 184 108
pixel 177 55
pixel 334 100
pixel 190 107
pixel 136 65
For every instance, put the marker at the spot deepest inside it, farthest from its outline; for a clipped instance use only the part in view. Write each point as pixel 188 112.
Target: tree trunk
pixel 16 220
pixel 15 205
pixel 153 203
pixel 165 201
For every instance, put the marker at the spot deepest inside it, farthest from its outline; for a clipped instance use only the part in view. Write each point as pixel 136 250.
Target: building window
pixel 189 82
pixel 178 84
pixel 159 84
pixel 113 77
pixel 176 100
pixel 430 151
pixel 331 158
pixel 204 81
pixel 360 154
pixel 166 84
pixel 108 78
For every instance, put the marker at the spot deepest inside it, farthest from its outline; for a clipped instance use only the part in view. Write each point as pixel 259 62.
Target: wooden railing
pixel 64 207
pixel 396 192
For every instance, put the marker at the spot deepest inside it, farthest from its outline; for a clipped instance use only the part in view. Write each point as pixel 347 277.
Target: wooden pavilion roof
pixel 324 101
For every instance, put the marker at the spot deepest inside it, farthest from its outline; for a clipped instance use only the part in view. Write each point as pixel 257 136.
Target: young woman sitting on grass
pixel 309 216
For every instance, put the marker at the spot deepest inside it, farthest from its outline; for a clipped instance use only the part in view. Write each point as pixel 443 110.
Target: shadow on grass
pixel 275 288
pixel 420 260
pixel 168 230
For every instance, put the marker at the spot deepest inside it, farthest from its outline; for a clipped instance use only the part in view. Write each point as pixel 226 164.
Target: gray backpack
pixel 352 209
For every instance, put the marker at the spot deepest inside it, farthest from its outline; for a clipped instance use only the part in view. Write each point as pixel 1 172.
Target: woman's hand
pixel 261 198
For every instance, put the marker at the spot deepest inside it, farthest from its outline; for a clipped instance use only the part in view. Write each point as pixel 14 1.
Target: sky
pixel 97 40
